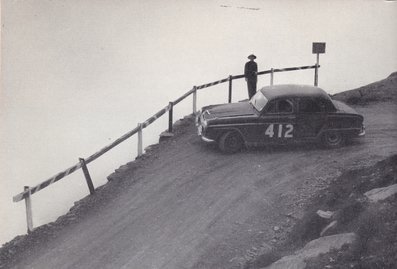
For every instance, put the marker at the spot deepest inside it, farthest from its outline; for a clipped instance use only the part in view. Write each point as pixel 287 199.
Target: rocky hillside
pixel 383 90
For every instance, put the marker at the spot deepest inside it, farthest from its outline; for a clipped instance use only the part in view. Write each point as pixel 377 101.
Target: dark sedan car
pixel 280 114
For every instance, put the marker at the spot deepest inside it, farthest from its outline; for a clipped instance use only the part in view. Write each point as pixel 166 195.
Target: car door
pixel 278 122
pixel 311 117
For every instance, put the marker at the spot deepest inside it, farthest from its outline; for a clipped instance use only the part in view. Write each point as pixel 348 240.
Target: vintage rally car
pixel 280 114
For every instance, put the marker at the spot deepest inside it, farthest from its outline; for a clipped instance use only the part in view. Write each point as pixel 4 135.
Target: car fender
pixel 322 130
pixel 347 132
pixel 222 130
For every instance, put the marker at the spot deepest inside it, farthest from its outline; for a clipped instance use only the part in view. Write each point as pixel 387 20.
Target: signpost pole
pixel 318 47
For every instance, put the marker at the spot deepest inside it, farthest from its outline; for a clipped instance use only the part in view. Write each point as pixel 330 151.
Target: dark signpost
pixel 318 47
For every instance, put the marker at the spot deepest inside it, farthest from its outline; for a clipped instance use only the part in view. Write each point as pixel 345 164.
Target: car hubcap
pixel 333 138
pixel 233 142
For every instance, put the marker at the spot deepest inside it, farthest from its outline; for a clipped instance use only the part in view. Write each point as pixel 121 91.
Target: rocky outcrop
pixel 383 90
pixel 313 249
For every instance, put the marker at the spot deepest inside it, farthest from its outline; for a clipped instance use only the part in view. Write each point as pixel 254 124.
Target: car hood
pixel 229 110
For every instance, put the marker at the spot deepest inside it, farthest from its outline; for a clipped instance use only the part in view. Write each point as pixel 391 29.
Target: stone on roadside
pixel 325 244
pixel 165 135
pixel 325 214
pixel 329 228
pixel 313 249
pixel 288 262
pixel 379 194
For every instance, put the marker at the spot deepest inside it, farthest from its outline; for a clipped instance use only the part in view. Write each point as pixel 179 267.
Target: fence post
pixel 271 77
pixel 230 88
pixel 194 100
pixel 87 176
pixel 140 151
pixel 28 204
pixel 170 120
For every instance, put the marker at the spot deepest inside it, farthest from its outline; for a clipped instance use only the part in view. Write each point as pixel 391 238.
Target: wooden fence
pixel 82 163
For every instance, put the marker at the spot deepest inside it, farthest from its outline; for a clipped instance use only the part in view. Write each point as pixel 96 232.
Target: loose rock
pixel 379 194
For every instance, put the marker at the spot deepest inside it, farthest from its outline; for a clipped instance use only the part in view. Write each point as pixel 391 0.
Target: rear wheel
pixel 333 139
pixel 230 142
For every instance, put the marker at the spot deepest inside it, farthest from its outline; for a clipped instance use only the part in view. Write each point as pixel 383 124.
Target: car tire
pixel 333 139
pixel 231 142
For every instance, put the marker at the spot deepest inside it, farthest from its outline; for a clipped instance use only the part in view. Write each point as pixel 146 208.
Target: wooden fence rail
pixel 28 191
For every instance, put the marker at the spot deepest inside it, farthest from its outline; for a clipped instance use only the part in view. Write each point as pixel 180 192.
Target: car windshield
pixel 259 101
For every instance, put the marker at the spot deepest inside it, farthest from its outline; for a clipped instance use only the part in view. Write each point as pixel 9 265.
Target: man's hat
pixel 252 56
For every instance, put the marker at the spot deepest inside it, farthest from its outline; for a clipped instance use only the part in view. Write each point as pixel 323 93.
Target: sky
pixel 76 75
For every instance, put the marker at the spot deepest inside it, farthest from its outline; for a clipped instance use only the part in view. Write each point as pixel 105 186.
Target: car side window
pixel 285 106
pixel 271 108
pixel 308 105
pixel 279 106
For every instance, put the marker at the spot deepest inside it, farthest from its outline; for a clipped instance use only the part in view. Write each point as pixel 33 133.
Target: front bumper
pixel 207 140
pixel 202 125
pixel 200 133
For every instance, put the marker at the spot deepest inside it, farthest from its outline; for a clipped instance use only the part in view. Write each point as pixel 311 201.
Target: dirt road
pixel 186 205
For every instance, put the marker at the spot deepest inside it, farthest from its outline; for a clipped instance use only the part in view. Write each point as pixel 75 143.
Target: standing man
pixel 250 70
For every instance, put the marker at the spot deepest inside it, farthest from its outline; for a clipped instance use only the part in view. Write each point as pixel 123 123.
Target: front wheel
pixel 333 139
pixel 230 142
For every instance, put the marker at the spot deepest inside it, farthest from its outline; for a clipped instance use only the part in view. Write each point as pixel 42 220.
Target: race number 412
pixel 283 131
